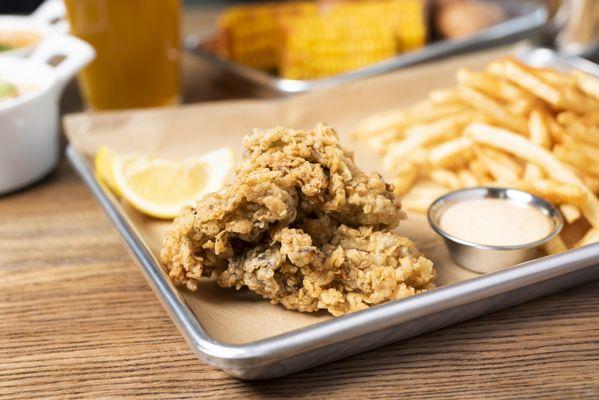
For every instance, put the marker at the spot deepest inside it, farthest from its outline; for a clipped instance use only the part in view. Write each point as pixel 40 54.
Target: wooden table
pixel 77 319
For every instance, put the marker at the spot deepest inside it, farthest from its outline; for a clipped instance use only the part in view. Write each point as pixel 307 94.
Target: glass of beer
pixel 138 61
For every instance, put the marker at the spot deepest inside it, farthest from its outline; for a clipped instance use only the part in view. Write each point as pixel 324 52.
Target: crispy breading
pixel 357 268
pixel 301 225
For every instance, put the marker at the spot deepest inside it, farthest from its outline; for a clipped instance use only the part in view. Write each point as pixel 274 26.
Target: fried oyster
pixel 302 226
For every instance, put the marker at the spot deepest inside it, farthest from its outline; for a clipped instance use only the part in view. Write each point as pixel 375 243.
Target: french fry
pixel 498 172
pixel 405 179
pixel 378 122
pixel 417 204
pixel 538 128
pixel 574 99
pixel 532 172
pixel 422 195
pixel 446 178
pixel 501 168
pixel 479 170
pixel 555 245
pixel 404 151
pixel 521 147
pixel 555 192
pixel 422 112
pixel 591 181
pixel 585 150
pixel 592 236
pixel 467 178
pixel 578 129
pixel 444 96
pixel 555 77
pixel 450 153
pixel 451 126
pixel 568 98
pixel 521 107
pixel 583 157
pixel 422 135
pixel 570 212
pixel 587 83
pixel 386 120
pixel 558 133
pixel 428 188
pixel 505 159
pixel 493 85
pixel 380 141
pixel 492 109
pixel 522 76
pixel 591 118
pixel 495 67
pixel 419 157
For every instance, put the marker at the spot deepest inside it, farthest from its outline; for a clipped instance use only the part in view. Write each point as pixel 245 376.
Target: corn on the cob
pixel 303 43
pixel 252 34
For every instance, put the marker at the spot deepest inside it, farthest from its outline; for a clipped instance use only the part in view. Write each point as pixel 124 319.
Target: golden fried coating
pixel 357 268
pixel 302 226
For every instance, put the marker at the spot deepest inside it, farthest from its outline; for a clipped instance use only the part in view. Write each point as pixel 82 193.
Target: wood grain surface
pixel 78 321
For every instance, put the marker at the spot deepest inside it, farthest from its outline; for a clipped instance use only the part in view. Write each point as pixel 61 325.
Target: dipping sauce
pixel 495 222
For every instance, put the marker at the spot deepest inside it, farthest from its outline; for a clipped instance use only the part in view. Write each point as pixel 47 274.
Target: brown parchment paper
pixel 242 317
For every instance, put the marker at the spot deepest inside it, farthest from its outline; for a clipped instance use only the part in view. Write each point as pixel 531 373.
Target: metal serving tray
pixel 380 325
pixel 526 17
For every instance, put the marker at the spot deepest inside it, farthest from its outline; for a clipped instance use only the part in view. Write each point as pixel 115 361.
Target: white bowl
pixel 29 122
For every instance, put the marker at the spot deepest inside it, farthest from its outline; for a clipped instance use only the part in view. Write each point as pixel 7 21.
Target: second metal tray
pixel 526 17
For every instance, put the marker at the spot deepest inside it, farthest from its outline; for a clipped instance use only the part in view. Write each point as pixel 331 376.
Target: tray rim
pixel 280 347
pixel 510 30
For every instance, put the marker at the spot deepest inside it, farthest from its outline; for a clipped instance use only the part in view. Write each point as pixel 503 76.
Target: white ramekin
pixel 29 140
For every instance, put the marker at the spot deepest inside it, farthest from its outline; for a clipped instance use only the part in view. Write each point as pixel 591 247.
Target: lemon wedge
pixel 103 163
pixel 161 187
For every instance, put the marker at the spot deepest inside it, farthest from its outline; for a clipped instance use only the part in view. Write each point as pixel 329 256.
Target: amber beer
pixel 138 51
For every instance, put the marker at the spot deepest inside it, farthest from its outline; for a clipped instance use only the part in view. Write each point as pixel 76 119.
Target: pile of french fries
pixel 510 125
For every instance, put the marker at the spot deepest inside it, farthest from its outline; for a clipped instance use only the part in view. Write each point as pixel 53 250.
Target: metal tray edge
pixel 505 32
